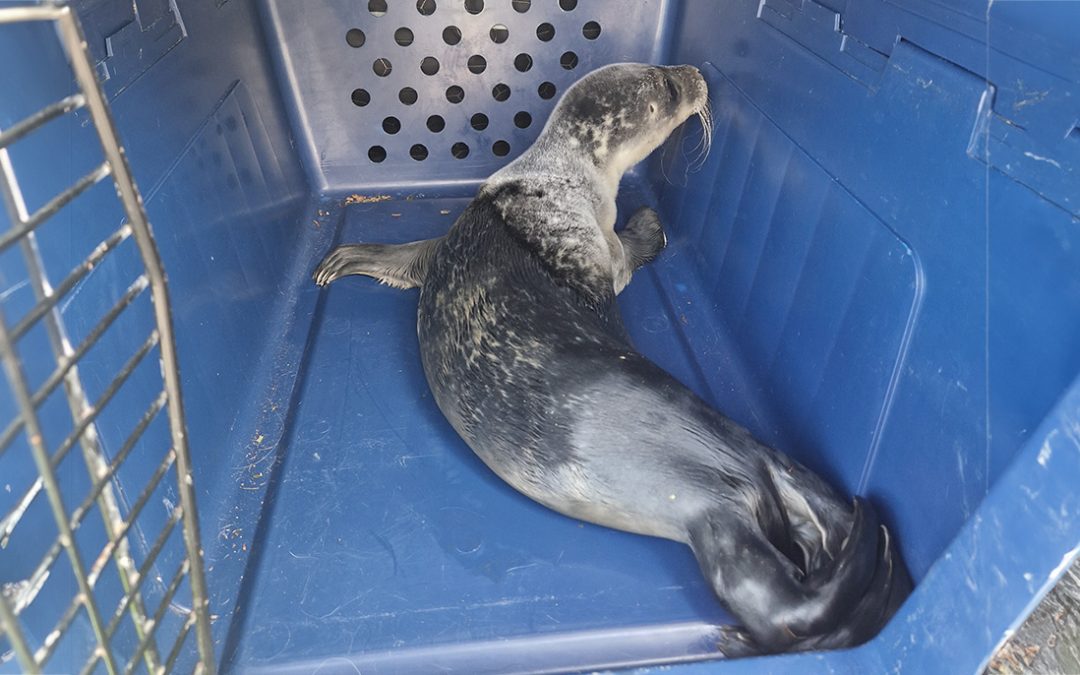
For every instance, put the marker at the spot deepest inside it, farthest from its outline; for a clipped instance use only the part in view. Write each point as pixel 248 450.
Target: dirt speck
pixel 364 199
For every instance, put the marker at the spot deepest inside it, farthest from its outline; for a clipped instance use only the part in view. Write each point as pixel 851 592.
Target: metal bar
pixel 17 381
pixel 166 600
pixel 90 415
pixel 170 660
pixel 45 651
pixel 103 557
pixel 55 204
pixel 125 450
pixel 31 13
pixel 13 631
pixel 65 364
pixel 42 570
pixel 93 454
pixel 49 299
pixel 135 510
pixel 75 45
pixel 86 419
pixel 49 112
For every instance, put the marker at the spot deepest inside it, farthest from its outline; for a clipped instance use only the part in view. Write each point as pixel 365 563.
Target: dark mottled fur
pixel 528 359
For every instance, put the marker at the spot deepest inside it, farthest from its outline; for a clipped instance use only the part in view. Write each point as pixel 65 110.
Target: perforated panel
pixel 443 90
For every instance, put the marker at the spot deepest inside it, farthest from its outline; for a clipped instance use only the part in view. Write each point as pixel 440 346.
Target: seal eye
pixel 673 92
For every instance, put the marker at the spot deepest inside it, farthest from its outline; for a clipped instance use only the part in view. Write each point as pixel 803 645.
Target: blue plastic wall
pixel 876 268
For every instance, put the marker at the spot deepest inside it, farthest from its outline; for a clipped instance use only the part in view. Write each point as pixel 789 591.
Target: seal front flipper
pixel 398 265
pixel 643 238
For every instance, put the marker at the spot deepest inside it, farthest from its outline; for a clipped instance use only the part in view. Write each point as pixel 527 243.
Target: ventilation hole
pixel 522 120
pixel 523 62
pixel 501 92
pixel 568 60
pixel 521 6
pixel 479 121
pixel 545 32
pixel 355 37
pixel 500 148
pixel 361 97
pixel 418 152
pixel 474 6
pixel 567 5
pixel 451 35
pixel 429 66
pixel 407 95
pixel 403 36
pixel 455 94
pixel 499 33
pixel 459 150
pixel 382 67
pixel 376 7
pixel 425 7
pixel 477 64
pixel 391 125
pixel 546 90
pixel 376 153
pixel 435 123
pixel 591 30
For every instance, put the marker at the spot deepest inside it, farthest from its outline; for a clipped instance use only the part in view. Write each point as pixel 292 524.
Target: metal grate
pixel 119 527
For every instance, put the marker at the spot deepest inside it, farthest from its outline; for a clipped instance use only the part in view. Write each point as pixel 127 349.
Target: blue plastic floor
pixel 387 533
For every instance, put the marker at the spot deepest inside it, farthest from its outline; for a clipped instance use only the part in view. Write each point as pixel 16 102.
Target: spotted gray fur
pixel 526 355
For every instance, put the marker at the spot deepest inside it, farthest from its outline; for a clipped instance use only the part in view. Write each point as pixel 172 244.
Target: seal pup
pixel 526 356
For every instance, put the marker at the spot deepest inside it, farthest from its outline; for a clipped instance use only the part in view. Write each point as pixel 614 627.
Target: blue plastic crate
pixel 876 268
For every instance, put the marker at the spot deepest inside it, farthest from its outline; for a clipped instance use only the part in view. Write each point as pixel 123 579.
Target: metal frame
pixel 84 413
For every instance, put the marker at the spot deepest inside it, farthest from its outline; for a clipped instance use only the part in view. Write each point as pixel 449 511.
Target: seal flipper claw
pixel 399 265
pixel 643 237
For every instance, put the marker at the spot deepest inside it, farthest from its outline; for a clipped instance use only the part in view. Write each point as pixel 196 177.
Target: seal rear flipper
pixel 888 589
pixel 398 265
pixel 762 587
